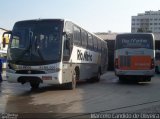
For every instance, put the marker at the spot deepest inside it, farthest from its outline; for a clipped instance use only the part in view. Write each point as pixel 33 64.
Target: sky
pixel 92 15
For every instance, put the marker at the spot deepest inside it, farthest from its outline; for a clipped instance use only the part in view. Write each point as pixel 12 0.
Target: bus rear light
pixel 152 64
pixel 116 63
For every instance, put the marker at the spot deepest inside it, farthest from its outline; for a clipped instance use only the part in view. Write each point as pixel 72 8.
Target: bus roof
pixel 124 34
pixel 40 20
pixel 134 33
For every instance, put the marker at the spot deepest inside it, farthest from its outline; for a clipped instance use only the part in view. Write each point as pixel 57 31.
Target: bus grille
pixel 29 72
pixel 125 61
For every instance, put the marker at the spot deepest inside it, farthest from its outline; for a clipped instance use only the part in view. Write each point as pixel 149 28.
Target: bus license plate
pixel 46 77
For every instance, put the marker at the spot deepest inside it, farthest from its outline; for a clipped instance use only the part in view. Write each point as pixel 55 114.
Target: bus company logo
pixel 86 56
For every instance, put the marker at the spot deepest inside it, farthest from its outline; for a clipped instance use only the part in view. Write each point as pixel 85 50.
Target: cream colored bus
pixel 135 56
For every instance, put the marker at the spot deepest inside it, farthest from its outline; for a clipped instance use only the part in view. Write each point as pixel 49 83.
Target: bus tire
pixel 149 79
pixel 98 77
pixel 121 79
pixel 72 85
pixel 95 78
pixel 34 85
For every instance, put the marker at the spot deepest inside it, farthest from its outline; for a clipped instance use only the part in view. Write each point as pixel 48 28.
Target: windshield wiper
pixel 40 54
pixel 23 53
pixel 38 51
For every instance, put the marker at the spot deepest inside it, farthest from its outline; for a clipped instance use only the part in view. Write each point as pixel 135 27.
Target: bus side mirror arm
pixel 64 33
pixel 4 42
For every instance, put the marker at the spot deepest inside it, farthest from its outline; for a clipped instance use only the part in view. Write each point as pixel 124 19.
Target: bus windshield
pixel 134 41
pixel 36 42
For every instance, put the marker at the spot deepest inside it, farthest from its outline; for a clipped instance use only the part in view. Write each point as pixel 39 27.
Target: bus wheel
pixel 121 79
pixel 34 85
pixel 72 85
pixel 149 79
pixel 95 78
pixel 98 77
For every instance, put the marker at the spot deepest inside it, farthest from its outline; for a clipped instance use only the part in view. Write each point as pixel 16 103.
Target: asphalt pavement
pixel 106 96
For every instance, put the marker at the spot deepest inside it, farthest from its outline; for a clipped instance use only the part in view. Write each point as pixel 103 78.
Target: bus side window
pixel 84 38
pixel 77 36
pixel 99 45
pixel 70 34
pixel 95 43
pixel 103 47
pixel 90 41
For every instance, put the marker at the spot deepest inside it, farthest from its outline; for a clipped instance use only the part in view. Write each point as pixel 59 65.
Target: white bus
pixel 134 56
pixel 54 51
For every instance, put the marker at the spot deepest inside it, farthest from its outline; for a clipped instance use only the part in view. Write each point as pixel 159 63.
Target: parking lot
pixel 107 96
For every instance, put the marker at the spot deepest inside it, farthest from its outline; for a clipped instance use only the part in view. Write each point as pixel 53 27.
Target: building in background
pixel 146 22
pixel 3 50
pixel 1 40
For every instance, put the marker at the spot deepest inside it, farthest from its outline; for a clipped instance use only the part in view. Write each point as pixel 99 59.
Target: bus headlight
pixel 56 70
pixel 10 71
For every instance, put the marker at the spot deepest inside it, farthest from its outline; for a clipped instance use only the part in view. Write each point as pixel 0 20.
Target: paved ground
pixel 107 96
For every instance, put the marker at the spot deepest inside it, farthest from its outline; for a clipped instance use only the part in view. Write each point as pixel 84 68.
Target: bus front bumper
pixel 135 72
pixel 53 78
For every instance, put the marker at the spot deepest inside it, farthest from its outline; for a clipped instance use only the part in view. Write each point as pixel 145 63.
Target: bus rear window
pixel 134 41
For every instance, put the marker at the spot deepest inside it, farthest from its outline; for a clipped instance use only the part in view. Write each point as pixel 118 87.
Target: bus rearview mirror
pixel 4 42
